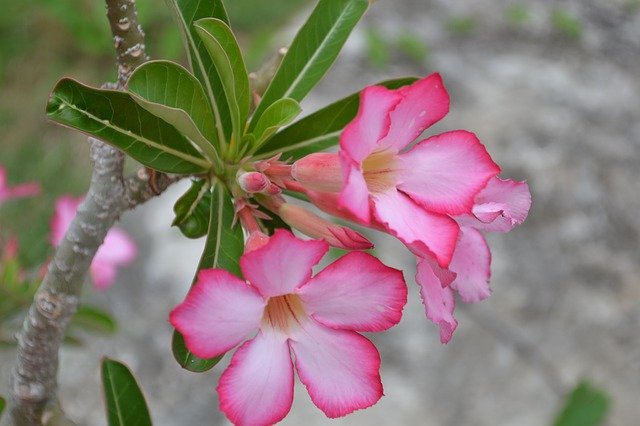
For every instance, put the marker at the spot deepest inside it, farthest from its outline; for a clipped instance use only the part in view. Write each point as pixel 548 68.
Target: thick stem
pixel 34 380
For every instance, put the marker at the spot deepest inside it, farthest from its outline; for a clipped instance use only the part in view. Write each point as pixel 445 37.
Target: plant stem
pixel 34 380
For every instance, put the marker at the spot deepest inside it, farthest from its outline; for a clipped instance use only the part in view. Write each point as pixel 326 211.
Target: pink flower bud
pixel 319 172
pixel 316 227
pixel 252 182
pixel 256 240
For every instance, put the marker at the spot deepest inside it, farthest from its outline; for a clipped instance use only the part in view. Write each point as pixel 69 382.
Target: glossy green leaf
pixel 227 58
pixel 172 93
pixel 585 406
pixel 186 13
pixel 94 319
pixel 312 52
pixel 116 118
pixel 126 405
pixel 3 403
pixel 222 249
pixel 279 114
pixel 321 129
pixel 192 210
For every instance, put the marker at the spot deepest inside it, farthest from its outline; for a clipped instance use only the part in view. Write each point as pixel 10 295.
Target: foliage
pixel 125 402
pixel 586 405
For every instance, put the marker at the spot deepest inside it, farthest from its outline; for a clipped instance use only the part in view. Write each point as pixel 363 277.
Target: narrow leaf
pixel 192 210
pixel 3 403
pixel 585 406
pixel 227 58
pixel 126 405
pixel 223 248
pixel 313 51
pixel 170 92
pixel 94 319
pixel 280 113
pixel 186 13
pixel 116 118
pixel 321 129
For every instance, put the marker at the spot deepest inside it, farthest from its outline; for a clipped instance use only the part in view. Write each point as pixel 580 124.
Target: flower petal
pixel 361 136
pixel 356 292
pixel 500 206
pixel 218 313
pixel 65 210
pixel 103 274
pixel 472 264
pixel 444 173
pixel 424 102
pixel 425 233
pixel 438 300
pixel 283 264
pixel 339 368
pixel 118 248
pixel 354 197
pixel 257 387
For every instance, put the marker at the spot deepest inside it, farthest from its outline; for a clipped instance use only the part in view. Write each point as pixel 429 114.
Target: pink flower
pixel 118 249
pixel 410 190
pixel 314 317
pixel 499 207
pixel 18 191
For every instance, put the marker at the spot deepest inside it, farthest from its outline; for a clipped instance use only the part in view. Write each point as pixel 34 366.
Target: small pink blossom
pixel 18 191
pixel 410 190
pixel 317 318
pixel 118 249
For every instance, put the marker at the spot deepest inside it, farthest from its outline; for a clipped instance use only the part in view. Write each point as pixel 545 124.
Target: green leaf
pixel 280 113
pixel 192 210
pixel 585 406
pixel 223 248
pixel 125 402
pixel 321 129
pixel 94 319
pixel 116 118
pixel 312 52
pixel 3 403
pixel 227 58
pixel 186 13
pixel 170 92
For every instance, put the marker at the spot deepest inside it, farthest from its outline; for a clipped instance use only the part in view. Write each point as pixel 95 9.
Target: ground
pixel 556 103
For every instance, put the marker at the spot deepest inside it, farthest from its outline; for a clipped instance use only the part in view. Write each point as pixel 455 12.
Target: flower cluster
pixel 438 196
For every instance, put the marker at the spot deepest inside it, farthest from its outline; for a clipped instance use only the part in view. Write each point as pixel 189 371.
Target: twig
pixel 34 380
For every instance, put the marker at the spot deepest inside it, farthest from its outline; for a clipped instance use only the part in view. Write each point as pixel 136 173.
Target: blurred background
pixel 550 87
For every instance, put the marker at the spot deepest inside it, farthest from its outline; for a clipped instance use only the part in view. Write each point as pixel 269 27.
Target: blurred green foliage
pixel 566 23
pixel 461 25
pixel 381 49
pixel 517 14
pixel 586 405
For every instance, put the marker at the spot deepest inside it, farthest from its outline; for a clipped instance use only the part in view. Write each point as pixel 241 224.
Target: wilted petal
pixel 424 102
pixel 356 292
pixel 283 264
pixel 500 206
pixel 472 264
pixel 339 368
pixel 445 172
pixel 362 135
pixel 423 232
pixel 218 313
pixel 257 387
pixel 438 300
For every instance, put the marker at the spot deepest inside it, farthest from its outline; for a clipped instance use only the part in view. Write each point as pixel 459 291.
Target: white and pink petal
pixel 257 387
pixel 444 173
pixel 283 264
pixel 472 264
pixel 339 368
pixel 219 313
pixel 356 292
pixel 438 300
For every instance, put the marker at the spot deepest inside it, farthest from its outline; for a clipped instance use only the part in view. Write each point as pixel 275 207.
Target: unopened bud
pixel 253 182
pixel 319 172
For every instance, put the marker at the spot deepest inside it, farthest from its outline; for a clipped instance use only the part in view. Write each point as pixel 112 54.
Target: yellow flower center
pixel 284 312
pixel 379 171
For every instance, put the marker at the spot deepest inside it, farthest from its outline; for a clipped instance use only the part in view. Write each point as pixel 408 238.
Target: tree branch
pixel 34 380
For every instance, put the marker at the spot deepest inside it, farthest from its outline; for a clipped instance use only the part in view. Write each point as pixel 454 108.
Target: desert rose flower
pixel 18 191
pixel 499 207
pixel 118 249
pixel 317 318
pixel 410 190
